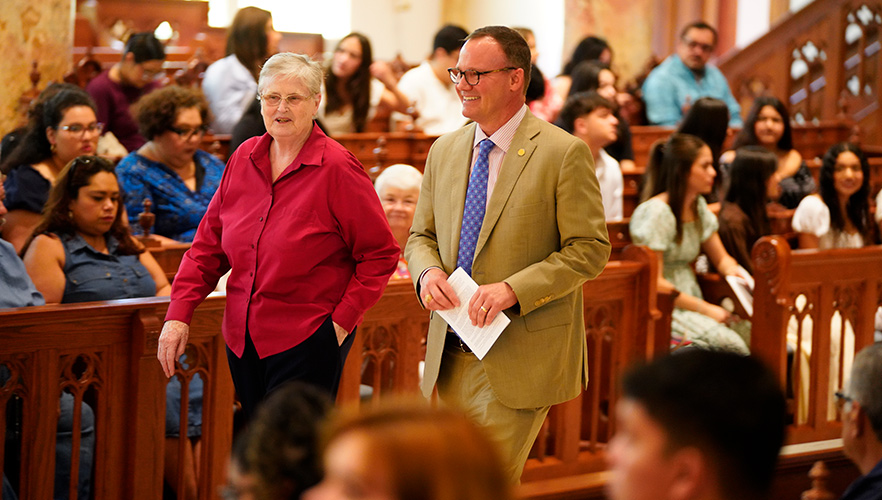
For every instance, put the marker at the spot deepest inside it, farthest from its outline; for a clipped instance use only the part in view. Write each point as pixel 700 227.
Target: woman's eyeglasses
pixel 275 100
pixel 80 129
pixel 188 133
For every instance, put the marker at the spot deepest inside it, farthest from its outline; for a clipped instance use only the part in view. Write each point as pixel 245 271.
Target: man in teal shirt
pixel 676 83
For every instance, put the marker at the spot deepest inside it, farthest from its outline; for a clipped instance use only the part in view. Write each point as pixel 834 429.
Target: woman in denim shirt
pixel 82 250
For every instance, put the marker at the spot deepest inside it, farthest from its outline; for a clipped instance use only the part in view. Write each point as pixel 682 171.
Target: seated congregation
pixel 805 232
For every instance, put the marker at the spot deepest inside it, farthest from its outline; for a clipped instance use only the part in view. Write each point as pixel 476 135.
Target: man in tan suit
pixel 534 232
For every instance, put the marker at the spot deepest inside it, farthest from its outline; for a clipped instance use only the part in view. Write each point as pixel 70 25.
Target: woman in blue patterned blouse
pixel 170 170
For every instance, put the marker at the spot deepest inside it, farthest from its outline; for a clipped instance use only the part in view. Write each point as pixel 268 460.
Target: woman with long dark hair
pixel 677 225
pixel 743 214
pixel 590 48
pixel 62 126
pixel 768 125
pixel 230 84
pixel 839 215
pixel 356 87
pixel 596 76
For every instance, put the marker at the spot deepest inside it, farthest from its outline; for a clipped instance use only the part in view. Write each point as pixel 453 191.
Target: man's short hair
pixel 145 47
pixel 581 104
pixel 449 38
pixel 700 25
pixel 730 407
pixel 865 385
pixel 513 46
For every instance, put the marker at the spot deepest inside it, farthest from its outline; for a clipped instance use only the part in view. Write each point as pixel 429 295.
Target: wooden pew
pixel 830 285
pixel 169 257
pixel 388 347
pixel 620 315
pixel 810 140
pixel 105 353
pixel 377 150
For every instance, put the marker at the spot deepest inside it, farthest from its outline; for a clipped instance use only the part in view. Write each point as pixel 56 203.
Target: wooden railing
pixel 824 61
pixel 838 291
pixel 104 354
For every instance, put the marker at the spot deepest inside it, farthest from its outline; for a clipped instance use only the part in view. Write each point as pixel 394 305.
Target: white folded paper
pixel 479 340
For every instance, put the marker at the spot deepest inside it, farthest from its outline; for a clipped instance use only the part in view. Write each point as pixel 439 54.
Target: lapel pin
pixel 521 152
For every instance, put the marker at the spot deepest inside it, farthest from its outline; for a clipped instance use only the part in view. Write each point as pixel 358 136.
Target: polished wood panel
pixel 104 353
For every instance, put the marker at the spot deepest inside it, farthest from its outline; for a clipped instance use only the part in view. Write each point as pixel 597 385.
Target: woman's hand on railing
pixel 172 342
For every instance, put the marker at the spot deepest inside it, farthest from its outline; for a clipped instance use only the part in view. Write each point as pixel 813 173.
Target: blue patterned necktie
pixel 475 206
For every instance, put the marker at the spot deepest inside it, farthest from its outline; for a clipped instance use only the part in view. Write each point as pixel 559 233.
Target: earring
pixel 70 214
pixel 52 148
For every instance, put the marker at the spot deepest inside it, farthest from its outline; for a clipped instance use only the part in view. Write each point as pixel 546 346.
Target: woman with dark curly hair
pixel 277 456
pixel 356 87
pixel 768 125
pixel 170 170
pixel 61 126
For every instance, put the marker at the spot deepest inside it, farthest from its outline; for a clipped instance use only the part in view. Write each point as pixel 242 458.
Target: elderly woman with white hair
pixel 399 189
pixel 297 222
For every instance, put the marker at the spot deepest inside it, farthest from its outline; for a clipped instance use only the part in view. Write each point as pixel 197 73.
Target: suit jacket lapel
pixel 459 164
pixel 511 169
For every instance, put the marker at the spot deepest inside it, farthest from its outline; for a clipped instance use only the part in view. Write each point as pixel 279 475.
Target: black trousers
pixel 318 361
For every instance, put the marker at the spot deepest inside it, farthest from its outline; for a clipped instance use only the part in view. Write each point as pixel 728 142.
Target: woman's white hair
pixel 291 65
pixel 399 176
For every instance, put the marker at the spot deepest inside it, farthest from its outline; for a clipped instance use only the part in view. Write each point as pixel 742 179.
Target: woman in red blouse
pixel 298 223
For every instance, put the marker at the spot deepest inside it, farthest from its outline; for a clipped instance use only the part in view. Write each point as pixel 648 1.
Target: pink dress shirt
pixel 311 244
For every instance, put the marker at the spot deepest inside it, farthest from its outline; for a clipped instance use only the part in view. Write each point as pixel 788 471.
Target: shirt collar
pixel 502 138
pixel 75 243
pixel 310 154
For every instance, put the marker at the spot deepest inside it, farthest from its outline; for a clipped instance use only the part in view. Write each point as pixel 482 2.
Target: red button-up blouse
pixel 312 244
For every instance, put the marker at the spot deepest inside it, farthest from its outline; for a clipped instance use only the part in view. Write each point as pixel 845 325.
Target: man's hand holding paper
pixel 478 328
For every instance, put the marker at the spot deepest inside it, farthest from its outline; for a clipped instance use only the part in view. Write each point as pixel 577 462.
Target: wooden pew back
pixel 620 313
pixel 839 290
pixel 377 150
pixel 811 141
pixel 105 353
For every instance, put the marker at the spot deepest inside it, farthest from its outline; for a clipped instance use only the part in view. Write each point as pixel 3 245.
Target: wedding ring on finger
pixel 484 309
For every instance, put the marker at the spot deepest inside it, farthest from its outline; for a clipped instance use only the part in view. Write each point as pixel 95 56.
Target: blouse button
pixel 260 218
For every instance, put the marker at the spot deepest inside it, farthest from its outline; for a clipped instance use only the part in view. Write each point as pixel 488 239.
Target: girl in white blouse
pixel 838 216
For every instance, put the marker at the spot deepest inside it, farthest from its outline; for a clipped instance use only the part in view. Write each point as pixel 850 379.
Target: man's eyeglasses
pixel 471 76
pixel 188 133
pixel 692 44
pixel 148 75
pixel 842 400
pixel 80 129
pixel 275 100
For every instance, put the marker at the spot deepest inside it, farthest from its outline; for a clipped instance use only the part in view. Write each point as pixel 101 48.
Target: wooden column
pixel 35 30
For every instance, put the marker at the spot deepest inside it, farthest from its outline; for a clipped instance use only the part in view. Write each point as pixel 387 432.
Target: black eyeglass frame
pixel 188 133
pixel 464 74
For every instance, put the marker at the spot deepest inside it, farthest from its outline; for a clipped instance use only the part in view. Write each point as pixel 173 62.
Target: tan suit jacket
pixel 543 233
